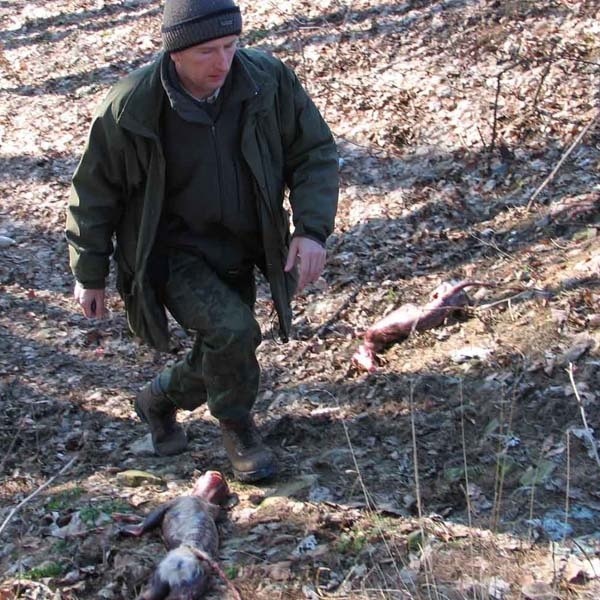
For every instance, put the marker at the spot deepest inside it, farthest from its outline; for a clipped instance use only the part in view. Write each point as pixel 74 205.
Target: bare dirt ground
pixel 466 465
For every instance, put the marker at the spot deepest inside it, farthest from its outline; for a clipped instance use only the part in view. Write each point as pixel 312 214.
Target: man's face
pixel 203 68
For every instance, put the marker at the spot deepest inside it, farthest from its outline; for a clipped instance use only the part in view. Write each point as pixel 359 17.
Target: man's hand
pixel 312 260
pixel 91 301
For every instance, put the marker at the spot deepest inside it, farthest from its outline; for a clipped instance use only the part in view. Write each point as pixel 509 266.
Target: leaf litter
pixel 465 465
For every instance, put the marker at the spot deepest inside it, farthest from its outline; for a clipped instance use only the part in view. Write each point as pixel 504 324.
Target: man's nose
pixel 222 61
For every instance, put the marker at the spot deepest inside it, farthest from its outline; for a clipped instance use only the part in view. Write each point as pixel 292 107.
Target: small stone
pixel 320 494
pixel 135 478
pixel 5 242
pixel 143 446
pixel 280 571
pixel 498 589
pixel 306 546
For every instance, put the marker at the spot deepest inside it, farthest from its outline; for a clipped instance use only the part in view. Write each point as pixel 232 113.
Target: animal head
pixel 212 487
pixel 186 577
pixel 179 576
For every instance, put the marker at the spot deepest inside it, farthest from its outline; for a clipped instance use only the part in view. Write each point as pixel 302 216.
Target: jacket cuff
pixel 301 232
pixel 92 285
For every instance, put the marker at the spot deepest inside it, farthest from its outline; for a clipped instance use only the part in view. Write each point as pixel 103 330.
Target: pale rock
pixel 136 478
pixel 471 353
pixel 320 494
pixel 143 446
pixel 498 589
pixel 306 546
pixel 5 241
pixel 280 571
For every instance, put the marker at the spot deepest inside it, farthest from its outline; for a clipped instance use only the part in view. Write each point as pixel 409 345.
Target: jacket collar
pixel 142 107
pixel 237 89
pixel 141 110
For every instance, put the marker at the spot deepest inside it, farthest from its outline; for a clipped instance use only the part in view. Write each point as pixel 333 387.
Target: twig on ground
pixel 463 439
pixel 369 503
pixel 203 556
pixel 568 486
pixel 505 423
pixel 549 63
pixel 491 245
pixel 588 431
pixel 31 496
pixel 482 138
pixel 509 299
pixel 13 441
pixel 335 317
pixel 413 430
pixel 562 160
pixel 492 146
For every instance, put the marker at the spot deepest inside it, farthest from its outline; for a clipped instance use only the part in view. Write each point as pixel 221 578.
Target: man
pixel 186 167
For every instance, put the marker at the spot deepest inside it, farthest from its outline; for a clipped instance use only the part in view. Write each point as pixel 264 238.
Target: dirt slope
pixel 466 465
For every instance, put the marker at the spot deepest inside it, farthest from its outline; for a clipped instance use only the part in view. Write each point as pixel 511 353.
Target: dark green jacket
pixel 118 187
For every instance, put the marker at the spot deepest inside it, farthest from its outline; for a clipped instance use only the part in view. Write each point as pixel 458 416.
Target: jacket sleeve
pixel 95 201
pixel 311 163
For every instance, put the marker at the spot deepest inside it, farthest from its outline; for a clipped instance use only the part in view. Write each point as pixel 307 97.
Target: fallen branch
pixel 562 159
pixel 31 496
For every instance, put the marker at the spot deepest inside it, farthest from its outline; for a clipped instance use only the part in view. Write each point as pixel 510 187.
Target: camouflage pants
pixel 221 369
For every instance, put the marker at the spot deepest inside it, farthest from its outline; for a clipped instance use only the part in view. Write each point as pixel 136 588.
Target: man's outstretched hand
pixel 92 302
pixel 311 258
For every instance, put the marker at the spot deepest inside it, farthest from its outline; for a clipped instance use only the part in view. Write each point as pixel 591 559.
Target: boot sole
pixel 267 472
pixel 177 445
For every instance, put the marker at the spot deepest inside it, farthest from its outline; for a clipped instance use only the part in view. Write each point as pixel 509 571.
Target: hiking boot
pixel 250 458
pixel 158 412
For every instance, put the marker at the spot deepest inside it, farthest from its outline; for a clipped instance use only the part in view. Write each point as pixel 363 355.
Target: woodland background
pixel 466 465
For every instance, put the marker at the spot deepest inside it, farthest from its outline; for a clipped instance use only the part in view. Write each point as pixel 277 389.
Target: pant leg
pixel 221 368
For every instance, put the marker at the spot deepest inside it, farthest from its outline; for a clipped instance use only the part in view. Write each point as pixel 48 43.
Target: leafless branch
pixel 562 159
pixel 31 496
pixel 499 76
pixel 549 64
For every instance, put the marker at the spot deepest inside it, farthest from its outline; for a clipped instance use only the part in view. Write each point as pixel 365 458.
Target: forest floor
pixel 465 465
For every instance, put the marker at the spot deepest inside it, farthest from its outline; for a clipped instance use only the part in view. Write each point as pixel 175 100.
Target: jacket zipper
pixel 213 130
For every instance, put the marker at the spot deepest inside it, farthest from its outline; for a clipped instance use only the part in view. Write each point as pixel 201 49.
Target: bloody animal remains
pixel 191 537
pixel 399 324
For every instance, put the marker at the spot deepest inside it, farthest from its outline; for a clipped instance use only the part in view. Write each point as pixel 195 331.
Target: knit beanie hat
pixel 190 22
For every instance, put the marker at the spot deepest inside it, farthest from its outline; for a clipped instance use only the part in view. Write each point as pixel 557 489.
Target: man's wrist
pixel 310 236
pixel 91 285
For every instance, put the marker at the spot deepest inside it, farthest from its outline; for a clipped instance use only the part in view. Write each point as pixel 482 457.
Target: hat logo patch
pixel 226 22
